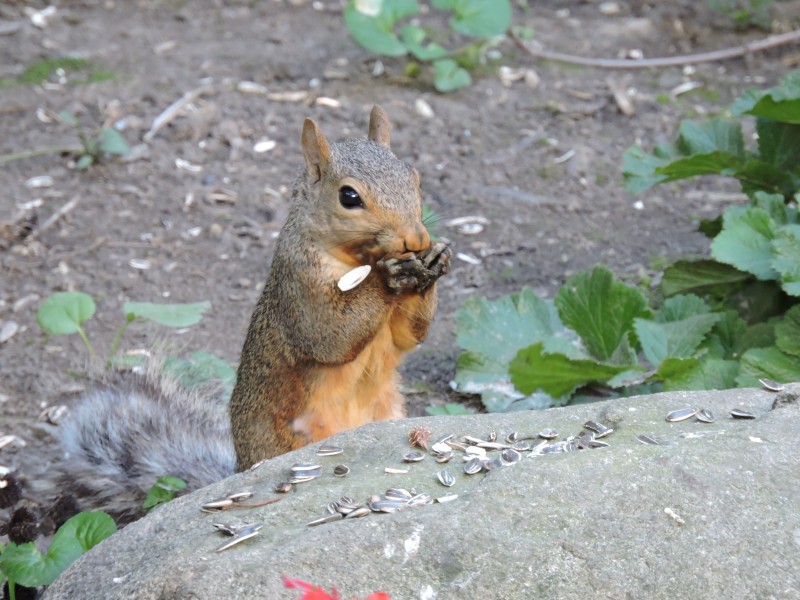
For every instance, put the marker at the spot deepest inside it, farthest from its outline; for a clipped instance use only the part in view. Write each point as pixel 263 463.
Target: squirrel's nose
pixel 417 240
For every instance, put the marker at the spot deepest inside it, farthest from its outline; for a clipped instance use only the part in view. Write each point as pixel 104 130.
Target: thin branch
pixel 55 217
pixel 668 61
pixel 172 111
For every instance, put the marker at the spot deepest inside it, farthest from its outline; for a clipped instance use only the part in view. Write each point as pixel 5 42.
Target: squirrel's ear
pixel 316 150
pixel 380 130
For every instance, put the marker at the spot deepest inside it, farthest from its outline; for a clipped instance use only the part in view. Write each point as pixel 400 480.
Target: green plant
pixel 64 313
pixel 24 565
pixel 523 351
pixel 162 491
pixel 744 13
pixel 376 25
pixel 95 147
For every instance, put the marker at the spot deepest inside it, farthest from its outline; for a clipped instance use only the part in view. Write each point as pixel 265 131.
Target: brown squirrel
pixel 316 360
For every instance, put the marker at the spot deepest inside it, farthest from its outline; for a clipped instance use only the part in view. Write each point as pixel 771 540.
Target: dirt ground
pixel 501 152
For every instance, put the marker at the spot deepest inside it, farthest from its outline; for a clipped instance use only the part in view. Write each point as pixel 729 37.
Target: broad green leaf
pixel 758 335
pixel 781 103
pixel 728 332
pixel 678 339
pixel 600 310
pixel 555 374
pixel 171 315
pixel 775 206
pixel 768 363
pixel 640 169
pixel 746 241
pixel 758 301
pixel 29 567
pixel 787 332
pixel 162 491
pixel 693 374
pixel 779 144
pixel 200 369
pixel 681 307
pixel 714 163
pixel 722 136
pixel 376 32
pixel 478 18
pixel 755 175
pixel 786 258
pixel 449 409
pixel 448 76
pixel 112 142
pixel 413 37
pixel 702 276
pixel 64 312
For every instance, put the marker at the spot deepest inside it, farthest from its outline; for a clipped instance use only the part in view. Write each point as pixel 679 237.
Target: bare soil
pixel 497 151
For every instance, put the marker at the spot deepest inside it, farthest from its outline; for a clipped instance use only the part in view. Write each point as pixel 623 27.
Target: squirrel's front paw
pixel 410 272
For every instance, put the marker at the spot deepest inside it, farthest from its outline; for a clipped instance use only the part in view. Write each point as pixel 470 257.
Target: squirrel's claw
pixel 418 272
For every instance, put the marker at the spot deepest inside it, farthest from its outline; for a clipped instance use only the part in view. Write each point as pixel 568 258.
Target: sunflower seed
pixel 510 456
pixel 492 437
pixel 492 446
pixel 446 478
pixel 443 457
pixel 420 500
pixel 448 498
pixel 361 511
pixel 228 528
pixel 442 439
pixel 742 414
pixel 597 444
pixel 522 446
pixel 304 467
pixel 240 496
pixel 244 533
pixel 548 434
pixel 352 278
pixel 538 447
pixel 441 448
pixel 599 429
pixel 303 478
pixel 398 494
pixel 413 456
pixel 646 439
pixel 705 416
pixel 770 385
pixel 329 450
pixel 475 451
pixel 491 465
pixel 394 471
pixel 513 437
pixel 681 414
pixel 473 465
pixel 217 505
pixel 327 519
pixel 472 440
pixel 341 470
pixel 387 506
pixel 283 487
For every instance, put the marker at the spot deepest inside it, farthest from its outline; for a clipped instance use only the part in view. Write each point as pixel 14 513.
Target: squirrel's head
pixel 363 202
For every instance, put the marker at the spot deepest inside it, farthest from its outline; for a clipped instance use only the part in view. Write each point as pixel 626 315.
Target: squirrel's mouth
pixel 363 251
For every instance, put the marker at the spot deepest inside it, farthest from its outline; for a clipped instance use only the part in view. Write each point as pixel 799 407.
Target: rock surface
pixel 714 512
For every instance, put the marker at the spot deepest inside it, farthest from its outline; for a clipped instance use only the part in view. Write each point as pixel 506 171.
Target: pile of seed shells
pixel 702 415
pixel 478 455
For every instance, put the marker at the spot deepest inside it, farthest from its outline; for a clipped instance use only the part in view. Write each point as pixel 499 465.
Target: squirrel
pixel 316 360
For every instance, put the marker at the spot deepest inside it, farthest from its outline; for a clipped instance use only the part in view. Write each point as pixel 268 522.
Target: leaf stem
pixel 118 339
pixel 82 333
pixel 38 152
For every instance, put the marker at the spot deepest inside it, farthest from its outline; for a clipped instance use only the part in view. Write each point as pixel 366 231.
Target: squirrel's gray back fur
pixel 125 434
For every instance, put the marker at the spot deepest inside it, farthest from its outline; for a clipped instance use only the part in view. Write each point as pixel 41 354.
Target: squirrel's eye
pixel 349 198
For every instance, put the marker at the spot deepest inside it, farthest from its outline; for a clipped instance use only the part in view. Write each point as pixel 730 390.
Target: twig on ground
pixel 175 108
pixel 56 216
pixel 772 41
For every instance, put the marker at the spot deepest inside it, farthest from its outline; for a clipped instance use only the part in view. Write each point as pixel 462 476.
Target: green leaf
pixel 376 32
pixel 478 18
pixel 171 315
pixel 702 276
pixel 712 137
pixel 727 333
pixel 746 241
pixel 779 144
pixel 692 374
pixel 162 491
pixel 678 339
pixel 64 312
pixel 775 206
pixel 786 258
pixel 781 103
pixel 758 335
pixel 681 307
pixel 201 369
pixel 84 162
pixel 556 374
pixel 30 568
pixel 112 142
pixel 770 363
pixel 600 310
pixel 413 37
pixel 640 169
pixel 449 409
pixel 67 118
pixel 787 332
pixel 448 76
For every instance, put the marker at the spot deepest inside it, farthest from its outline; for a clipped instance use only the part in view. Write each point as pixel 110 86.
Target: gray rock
pixel 712 513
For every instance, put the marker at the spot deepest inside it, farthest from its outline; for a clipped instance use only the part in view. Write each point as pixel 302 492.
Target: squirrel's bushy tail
pixel 123 435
